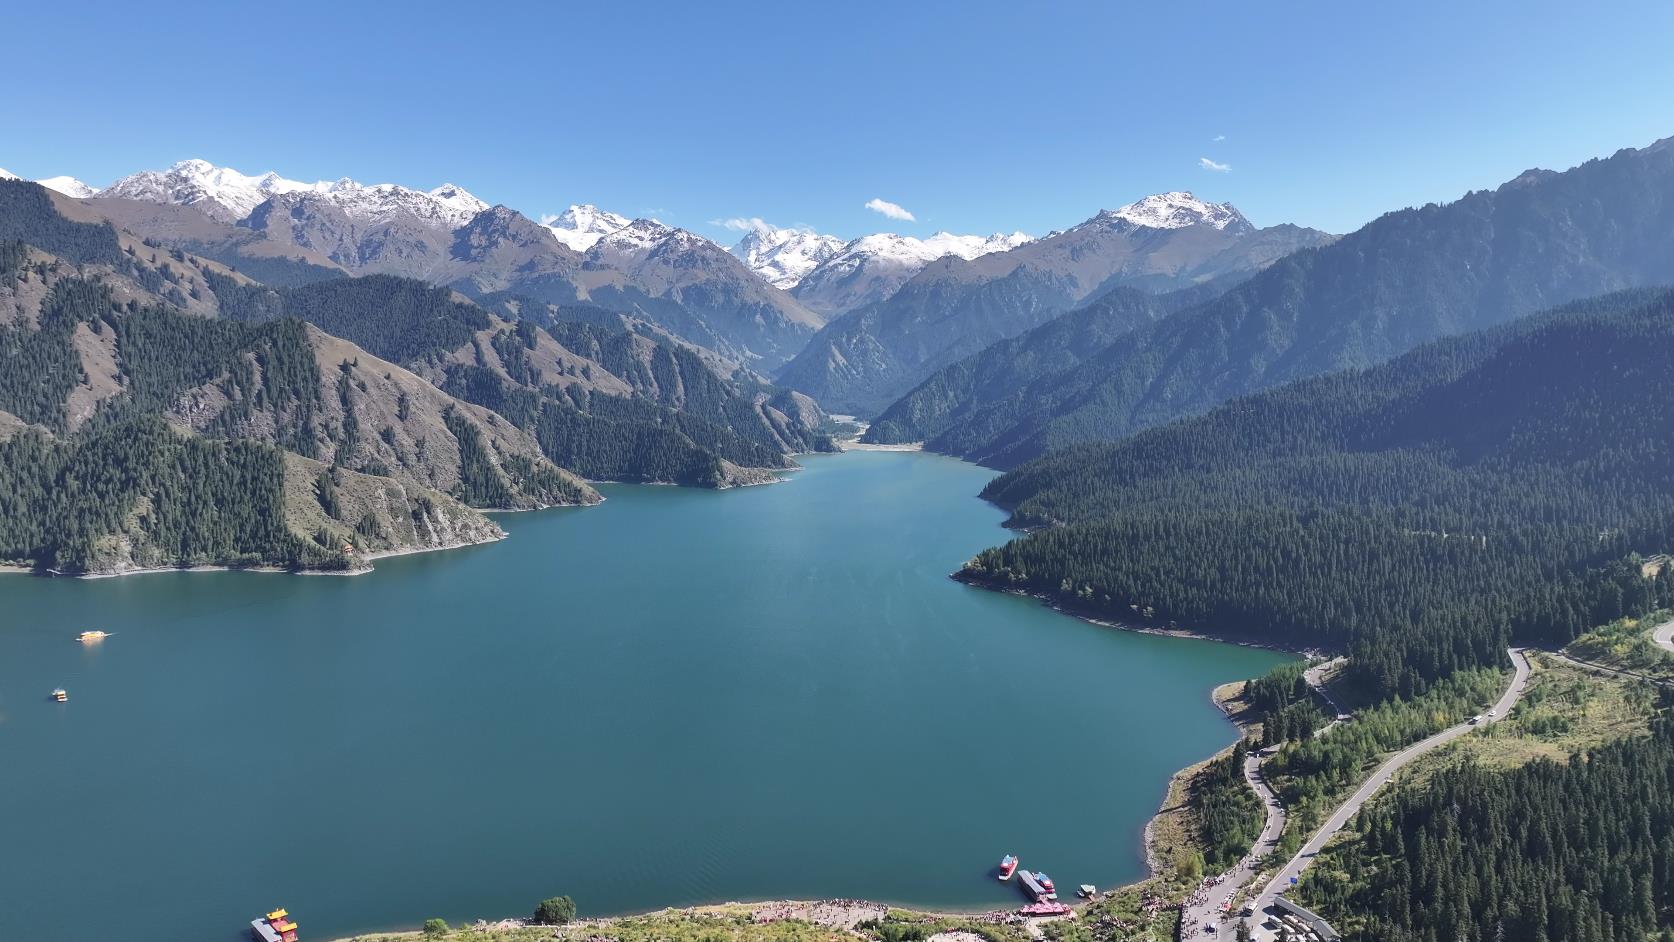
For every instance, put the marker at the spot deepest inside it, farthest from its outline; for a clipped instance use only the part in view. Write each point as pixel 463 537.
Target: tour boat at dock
pixel 1046 884
pixel 1008 866
pixel 276 926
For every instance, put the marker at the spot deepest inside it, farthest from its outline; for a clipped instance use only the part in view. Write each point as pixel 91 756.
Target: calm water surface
pixel 679 696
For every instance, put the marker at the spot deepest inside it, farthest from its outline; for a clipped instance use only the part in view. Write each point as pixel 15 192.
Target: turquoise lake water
pixel 678 696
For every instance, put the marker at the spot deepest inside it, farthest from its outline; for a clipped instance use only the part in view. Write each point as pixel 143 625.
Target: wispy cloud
pixel 548 219
pixel 1215 166
pixel 742 223
pixel 892 210
pixel 1218 138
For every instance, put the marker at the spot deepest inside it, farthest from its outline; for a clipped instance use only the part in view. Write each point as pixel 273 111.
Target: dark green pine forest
pixel 196 500
pixel 1581 850
pixel 1422 515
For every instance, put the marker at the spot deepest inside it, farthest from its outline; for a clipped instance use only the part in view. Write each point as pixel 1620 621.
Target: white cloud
pixel 1219 138
pixel 1208 164
pixel 548 219
pixel 742 224
pixel 892 210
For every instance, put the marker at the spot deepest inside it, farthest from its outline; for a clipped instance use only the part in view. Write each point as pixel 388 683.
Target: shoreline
pixel 1104 622
pixel 1156 866
pixel 1174 797
pixel 857 445
pixel 16 569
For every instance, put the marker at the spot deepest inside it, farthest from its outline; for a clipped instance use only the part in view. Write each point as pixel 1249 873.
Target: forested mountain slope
pixel 672 420
pixel 1577 850
pixel 957 390
pixel 138 435
pixel 867 358
pixel 702 426
pixel 1422 514
pixel 1411 276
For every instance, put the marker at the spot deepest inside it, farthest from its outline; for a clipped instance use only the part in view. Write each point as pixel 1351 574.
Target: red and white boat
pixel 1046 884
pixel 1008 866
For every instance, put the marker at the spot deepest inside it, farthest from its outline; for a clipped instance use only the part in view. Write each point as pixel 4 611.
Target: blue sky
pixel 973 116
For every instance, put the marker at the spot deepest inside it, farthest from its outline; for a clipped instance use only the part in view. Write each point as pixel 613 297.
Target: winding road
pixel 1663 635
pixel 1207 911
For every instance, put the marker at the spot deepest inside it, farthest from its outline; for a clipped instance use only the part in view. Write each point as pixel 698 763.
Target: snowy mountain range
pixel 783 257
pixel 579 227
pixel 872 267
pixel 1174 210
pixel 224 194
pixel 954 306
pixel 757 302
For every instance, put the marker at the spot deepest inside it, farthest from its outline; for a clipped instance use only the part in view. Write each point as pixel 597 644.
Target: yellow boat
pixel 92 637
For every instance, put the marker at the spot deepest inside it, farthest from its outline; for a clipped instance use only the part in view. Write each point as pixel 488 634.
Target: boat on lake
pixel 92 637
pixel 1046 885
pixel 60 694
pixel 1008 866
pixel 276 926
pixel 1031 886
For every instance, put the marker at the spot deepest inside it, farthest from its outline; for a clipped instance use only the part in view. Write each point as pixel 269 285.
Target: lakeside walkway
pixel 1204 909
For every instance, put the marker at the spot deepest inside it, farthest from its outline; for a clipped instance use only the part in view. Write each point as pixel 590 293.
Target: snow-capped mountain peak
pixel 69 186
pixel 872 267
pixel 1175 210
pixel 8 175
pixel 637 236
pixel 221 192
pixel 229 195
pixel 579 227
pixel 783 257
pixel 447 206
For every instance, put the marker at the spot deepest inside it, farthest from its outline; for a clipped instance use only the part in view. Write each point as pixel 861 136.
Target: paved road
pixel 1346 811
pixel 1663 635
pixel 1315 676
pixel 1207 909
pixel 1206 905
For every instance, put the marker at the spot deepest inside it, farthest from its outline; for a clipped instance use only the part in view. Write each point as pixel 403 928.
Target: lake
pixel 679 696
